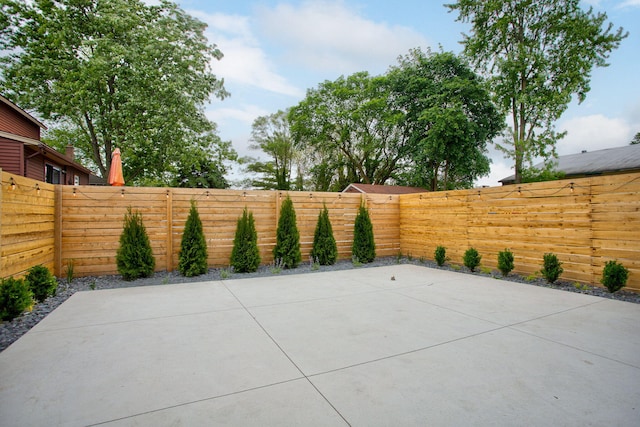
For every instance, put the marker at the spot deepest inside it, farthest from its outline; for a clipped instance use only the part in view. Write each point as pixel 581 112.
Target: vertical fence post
pixel 169 230
pixel 57 231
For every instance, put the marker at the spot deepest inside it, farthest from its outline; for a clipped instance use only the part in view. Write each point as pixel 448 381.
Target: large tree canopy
pixel 449 119
pixel 271 134
pixel 539 53
pixel 113 74
pixel 355 137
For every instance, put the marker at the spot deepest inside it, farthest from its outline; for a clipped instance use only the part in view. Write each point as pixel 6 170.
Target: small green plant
pixel 531 277
pixel 580 286
pixel 364 246
pixel 15 297
pixel 276 267
pixel 134 257
pixel 193 247
pixel 314 263
pixel 456 267
pixel 287 247
pixel 92 285
pixel 69 270
pixel 471 259
pixel 421 260
pixel 409 257
pixel 614 276
pixel 398 257
pixel 440 255
pixel 505 262
pixel 551 267
pixel 325 249
pixel 41 282
pixel 225 273
pixel 485 270
pixel 355 261
pixel 245 256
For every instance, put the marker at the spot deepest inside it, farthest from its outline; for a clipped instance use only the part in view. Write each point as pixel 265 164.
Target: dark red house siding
pixel 11 156
pixel 34 165
pixel 13 122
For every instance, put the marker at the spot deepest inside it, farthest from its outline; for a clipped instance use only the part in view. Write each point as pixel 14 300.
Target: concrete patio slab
pixel 429 347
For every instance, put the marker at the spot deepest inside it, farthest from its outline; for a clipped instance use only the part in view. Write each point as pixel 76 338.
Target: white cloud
pixel 629 3
pixel 328 36
pixel 245 62
pixel 246 114
pixel 594 132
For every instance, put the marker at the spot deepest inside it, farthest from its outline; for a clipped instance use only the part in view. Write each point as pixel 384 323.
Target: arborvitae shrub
pixel 245 256
pixel 325 250
pixel 364 246
pixel 471 259
pixel 551 267
pixel 440 255
pixel 505 262
pixel 287 249
pixel 193 248
pixel 41 282
pixel 614 276
pixel 15 297
pixel 134 258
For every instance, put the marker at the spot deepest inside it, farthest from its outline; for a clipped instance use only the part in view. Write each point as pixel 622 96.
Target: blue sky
pixel 276 50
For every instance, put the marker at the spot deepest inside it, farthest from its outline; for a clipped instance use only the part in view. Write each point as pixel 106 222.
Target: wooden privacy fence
pixel 92 220
pixel 586 222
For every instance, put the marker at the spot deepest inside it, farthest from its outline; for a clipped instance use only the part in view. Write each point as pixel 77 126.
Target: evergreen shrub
pixel 245 256
pixel 364 246
pixel 471 259
pixel 15 297
pixel 41 282
pixel 134 257
pixel 193 247
pixel 551 267
pixel 287 249
pixel 505 262
pixel 325 249
pixel 614 276
pixel 440 255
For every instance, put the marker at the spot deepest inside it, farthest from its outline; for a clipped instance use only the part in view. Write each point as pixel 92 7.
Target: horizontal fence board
pixel 585 221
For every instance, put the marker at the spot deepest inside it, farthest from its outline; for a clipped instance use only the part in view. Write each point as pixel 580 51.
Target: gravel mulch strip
pixel 12 330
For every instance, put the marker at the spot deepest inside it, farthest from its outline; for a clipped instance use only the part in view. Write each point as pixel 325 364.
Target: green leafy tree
pixel 41 282
pixel 551 267
pixel 539 54
pixel 271 134
pixel 636 139
pixel 245 256
pixel 325 249
pixel 15 297
pixel 287 249
pixel 351 130
pixel 117 73
pixel 134 257
pixel 449 119
pixel 364 245
pixel 440 255
pixel 193 247
pixel 614 276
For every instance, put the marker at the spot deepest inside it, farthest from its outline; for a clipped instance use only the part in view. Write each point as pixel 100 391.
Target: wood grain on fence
pixel 27 221
pixel 585 222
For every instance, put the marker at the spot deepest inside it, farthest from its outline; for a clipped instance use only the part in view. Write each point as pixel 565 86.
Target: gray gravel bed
pixel 12 330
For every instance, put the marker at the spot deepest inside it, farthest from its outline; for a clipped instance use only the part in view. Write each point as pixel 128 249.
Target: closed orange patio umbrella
pixel 115 172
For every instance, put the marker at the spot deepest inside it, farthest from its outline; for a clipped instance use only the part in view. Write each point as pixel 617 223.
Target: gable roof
pixel 610 160
pixel 382 189
pixel 22 112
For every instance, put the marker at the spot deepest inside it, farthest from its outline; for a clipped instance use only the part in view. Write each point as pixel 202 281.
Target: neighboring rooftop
pixel 382 189
pixel 599 162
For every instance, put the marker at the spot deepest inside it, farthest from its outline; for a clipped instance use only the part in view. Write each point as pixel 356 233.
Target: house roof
pixel 60 158
pixel 22 112
pixel 620 159
pixel 382 189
